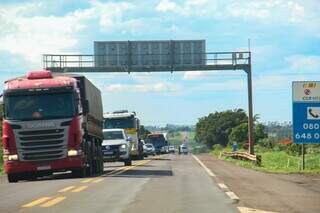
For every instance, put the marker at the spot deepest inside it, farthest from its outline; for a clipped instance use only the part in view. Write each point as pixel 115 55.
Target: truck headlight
pixel 10 157
pixel 73 152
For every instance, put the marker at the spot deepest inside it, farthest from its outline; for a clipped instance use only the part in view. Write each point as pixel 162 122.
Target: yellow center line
pixel 80 188
pixel 66 189
pixel 36 202
pixel 98 180
pixel 126 167
pixel 87 180
pixel 53 201
pixel 44 200
pixel 116 170
pixel 122 171
pixel 131 167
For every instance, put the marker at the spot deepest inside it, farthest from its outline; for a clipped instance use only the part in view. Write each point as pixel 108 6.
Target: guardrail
pixel 243 156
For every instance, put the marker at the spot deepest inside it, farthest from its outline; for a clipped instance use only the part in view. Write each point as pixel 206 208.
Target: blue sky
pixel 285 43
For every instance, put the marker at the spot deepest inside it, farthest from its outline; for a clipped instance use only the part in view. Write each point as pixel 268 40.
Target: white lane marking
pixel 204 166
pixel 250 210
pixel 222 186
pixel 232 196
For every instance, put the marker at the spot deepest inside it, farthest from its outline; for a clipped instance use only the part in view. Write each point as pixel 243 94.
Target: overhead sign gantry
pixel 155 56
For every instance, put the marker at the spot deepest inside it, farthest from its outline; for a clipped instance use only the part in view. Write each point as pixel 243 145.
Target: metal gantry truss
pixel 210 61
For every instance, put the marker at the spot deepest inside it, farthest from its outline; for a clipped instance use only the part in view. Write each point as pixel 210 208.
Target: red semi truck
pixel 52 122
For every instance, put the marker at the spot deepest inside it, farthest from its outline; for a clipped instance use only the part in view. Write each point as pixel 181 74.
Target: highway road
pixel 168 183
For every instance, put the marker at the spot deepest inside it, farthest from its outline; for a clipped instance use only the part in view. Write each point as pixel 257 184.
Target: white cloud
pixel 298 13
pixel 225 86
pixel 253 9
pixel 28 35
pixel 167 6
pixel 191 75
pixel 274 11
pixel 160 87
pixel 271 82
pixel 304 63
pixel 31 36
pixel 187 8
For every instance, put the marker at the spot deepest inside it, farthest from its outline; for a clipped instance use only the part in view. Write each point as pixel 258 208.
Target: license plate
pixel 108 153
pixel 47 167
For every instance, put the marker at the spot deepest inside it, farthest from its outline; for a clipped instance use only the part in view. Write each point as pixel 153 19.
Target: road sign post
pixel 306 113
pixel 250 108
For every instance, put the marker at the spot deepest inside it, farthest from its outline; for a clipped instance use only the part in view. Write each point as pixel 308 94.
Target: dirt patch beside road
pixel 270 192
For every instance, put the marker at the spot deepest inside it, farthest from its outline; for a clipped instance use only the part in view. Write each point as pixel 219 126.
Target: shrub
pixel 294 149
pixel 268 143
pixel 313 149
pixel 217 147
pixel 261 149
pixel 279 147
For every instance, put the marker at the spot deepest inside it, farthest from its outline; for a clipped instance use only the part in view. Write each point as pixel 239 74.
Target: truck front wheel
pixel 12 178
pixel 79 173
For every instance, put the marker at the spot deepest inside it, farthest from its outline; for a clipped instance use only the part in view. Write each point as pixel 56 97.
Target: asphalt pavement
pixel 166 183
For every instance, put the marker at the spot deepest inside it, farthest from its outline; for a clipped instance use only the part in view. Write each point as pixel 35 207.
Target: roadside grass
pixel 279 162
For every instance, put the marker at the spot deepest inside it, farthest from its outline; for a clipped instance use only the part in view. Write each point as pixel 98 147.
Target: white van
pixel 116 146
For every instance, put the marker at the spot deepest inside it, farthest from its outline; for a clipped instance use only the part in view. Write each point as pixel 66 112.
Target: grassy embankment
pixel 278 162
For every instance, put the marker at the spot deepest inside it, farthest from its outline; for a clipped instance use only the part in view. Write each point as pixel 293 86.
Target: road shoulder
pixel 269 192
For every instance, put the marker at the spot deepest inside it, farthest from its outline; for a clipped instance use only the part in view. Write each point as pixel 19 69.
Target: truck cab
pixel 51 123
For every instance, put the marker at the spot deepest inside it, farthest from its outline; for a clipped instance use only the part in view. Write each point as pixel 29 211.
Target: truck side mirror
pixel 86 106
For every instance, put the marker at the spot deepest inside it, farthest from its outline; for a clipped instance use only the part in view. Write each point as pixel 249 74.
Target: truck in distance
pixel 51 123
pixel 116 146
pixel 128 121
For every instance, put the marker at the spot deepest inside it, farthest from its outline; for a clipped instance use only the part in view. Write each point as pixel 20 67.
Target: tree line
pixel 227 127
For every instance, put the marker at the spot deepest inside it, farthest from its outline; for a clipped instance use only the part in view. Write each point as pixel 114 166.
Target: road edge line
pixel 220 184
pixel 204 166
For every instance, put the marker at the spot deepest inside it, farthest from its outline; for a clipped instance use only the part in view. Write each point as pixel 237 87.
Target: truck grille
pixel 42 145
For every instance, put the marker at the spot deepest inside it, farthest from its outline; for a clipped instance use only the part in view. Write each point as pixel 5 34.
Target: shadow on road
pixel 143 173
pixel 161 159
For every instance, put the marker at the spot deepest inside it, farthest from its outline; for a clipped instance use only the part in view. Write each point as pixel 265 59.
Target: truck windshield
pixel 157 141
pixel 39 106
pixel 113 135
pixel 122 123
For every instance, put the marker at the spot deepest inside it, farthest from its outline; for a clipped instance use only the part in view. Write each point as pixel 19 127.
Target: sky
pixel 284 37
